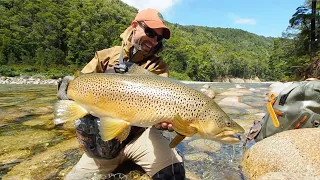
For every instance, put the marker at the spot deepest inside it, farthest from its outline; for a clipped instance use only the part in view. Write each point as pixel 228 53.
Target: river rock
pixel 292 151
pixel 43 120
pixel 254 111
pixel 231 111
pixel 191 175
pixel 247 121
pixel 236 80
pixel 210 93
pixel 230 93
pixel 27 80
pixel 233 101
pixel 241 90
pixel 287 176
pixel 14 156
pixel 260 115
pixel 201 156
pixel 28 139
pixel 254 80
pixel 205 145
pixel 206 86
pixel 47 164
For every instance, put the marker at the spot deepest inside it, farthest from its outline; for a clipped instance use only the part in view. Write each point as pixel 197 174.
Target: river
pixel 31 147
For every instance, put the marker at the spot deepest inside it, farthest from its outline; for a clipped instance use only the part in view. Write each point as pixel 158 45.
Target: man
pixel 146 147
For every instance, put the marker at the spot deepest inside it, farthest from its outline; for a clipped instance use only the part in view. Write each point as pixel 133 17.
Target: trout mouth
pixel 228 137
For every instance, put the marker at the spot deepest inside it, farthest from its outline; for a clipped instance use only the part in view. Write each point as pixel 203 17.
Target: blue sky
pixel 262 17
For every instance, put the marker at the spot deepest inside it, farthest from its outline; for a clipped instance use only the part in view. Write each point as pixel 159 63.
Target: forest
pixel 57 37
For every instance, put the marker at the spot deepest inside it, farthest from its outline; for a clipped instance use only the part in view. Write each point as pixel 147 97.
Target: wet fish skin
pixel 125 100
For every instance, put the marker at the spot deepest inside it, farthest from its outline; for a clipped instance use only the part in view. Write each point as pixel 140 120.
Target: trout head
pixel 219 128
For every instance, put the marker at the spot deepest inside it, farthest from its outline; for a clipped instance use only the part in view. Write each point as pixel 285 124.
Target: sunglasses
pixel 150 32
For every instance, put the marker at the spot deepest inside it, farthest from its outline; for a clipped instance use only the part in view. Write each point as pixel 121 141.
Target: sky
pixel 268 18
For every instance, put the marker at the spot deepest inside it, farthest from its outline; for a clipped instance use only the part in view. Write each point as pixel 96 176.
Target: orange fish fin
pixel 111 128
pixel 176 140
pixel 124 134
pixel 67 110
pixel 183 127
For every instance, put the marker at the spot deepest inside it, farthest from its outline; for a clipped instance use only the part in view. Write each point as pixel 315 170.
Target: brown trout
pixel 125 100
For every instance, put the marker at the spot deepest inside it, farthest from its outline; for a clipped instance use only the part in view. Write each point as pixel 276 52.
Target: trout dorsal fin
pixel 77 74
pixel 136 69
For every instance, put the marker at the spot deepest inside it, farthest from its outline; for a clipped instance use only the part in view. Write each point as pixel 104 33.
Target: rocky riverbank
pixel 42 80
pixel 26 80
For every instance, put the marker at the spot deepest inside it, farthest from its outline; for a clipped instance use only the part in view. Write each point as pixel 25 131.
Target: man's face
pixel 145 38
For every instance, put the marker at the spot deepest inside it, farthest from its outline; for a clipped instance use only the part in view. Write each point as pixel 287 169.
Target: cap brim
pixel 156 24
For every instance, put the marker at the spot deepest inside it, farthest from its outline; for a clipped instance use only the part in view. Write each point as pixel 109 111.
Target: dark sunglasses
pixel 150 32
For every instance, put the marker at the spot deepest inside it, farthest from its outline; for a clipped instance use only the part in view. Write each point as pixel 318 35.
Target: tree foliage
pixel 293 52
pixel 45 36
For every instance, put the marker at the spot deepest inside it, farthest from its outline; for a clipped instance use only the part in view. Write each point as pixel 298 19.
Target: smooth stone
pixel 245 123
pixel 13 156
pixel 27 139
pixel 254 111
pixel 230 93
pixel 241 90
pixel 206 86
pixel 258 104
pixel 292 151
pixel 254 90
pixel 191 175
pixel 210 93
pixel 231 111
pixel 260 115
pixel 196 156
pixel 233 101
pixel 238 86
pixel 288 176
pixel 205 145
pixel 47 164
pixel 44 120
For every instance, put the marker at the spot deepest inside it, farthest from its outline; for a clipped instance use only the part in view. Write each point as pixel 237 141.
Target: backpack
pixel 296 106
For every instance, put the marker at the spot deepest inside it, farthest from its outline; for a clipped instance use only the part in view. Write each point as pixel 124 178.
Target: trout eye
pixel 228 124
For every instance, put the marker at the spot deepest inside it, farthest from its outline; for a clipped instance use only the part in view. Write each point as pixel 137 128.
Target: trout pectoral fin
pixel 67 110
pixel 176 140
pixel 111 128
pixel 183 127
pixel 124 134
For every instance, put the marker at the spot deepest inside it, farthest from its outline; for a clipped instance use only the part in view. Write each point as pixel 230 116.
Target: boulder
pixel 288 176
pixel 292 151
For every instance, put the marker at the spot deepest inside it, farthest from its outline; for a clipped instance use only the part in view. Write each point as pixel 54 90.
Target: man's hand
pixel 63 86
pixel 164 126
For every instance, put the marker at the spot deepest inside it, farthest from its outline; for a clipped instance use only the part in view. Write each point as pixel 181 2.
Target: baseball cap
pixel 153 19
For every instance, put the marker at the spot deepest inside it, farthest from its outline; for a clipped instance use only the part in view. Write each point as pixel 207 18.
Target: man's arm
pixel 158 66
pixel 99 62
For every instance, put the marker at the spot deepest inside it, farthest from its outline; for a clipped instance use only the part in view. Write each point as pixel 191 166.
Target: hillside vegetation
pixel 57 37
